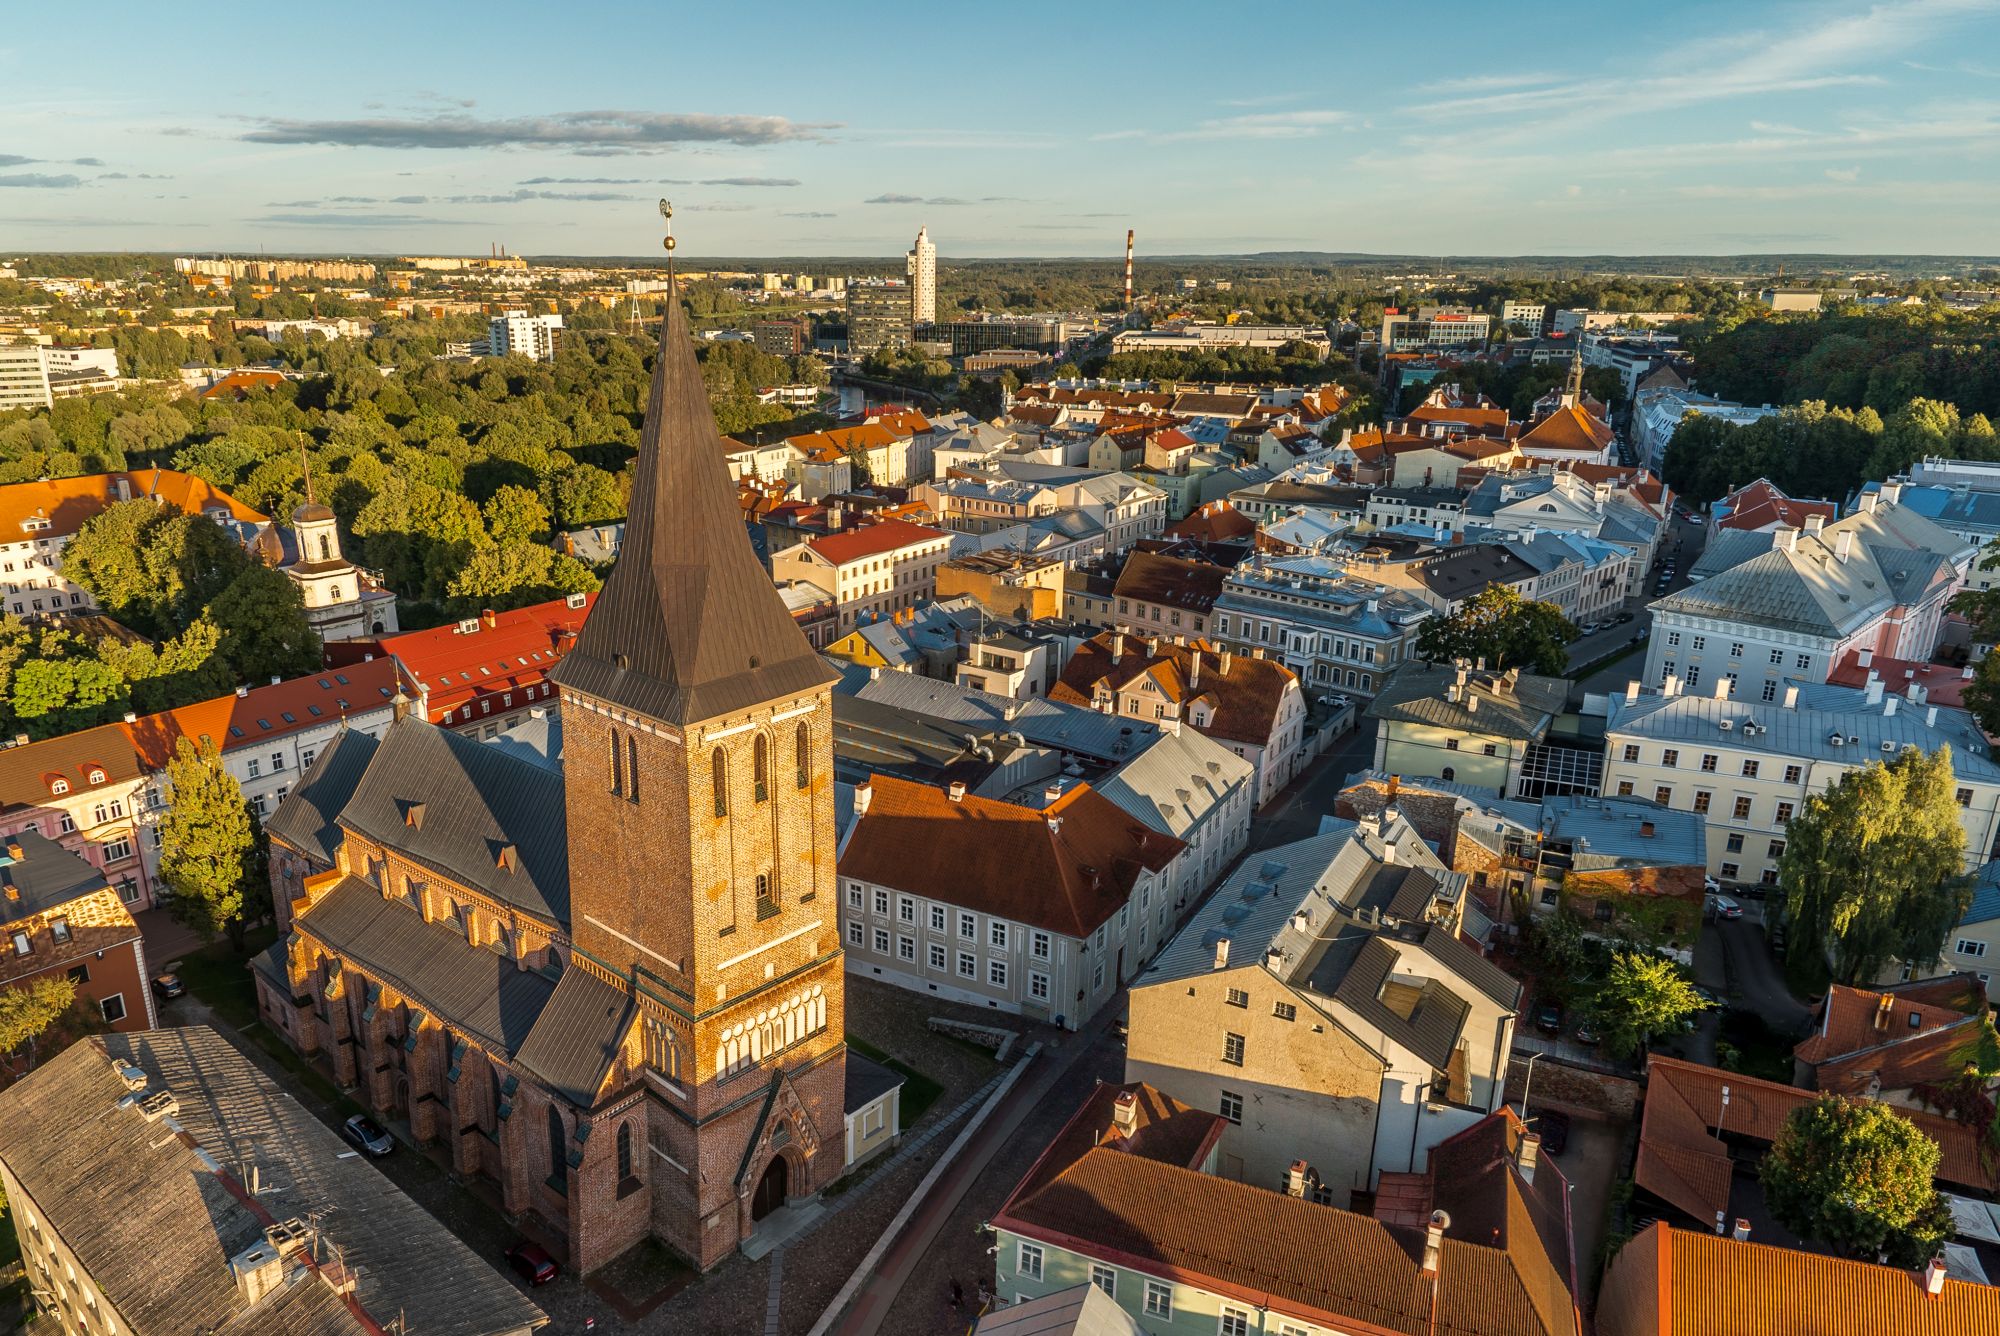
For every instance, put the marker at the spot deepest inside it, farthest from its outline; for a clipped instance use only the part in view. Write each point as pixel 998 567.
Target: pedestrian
pixel 957 1294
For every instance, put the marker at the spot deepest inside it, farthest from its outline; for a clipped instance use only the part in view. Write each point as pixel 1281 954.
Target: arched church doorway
pixel 770 1188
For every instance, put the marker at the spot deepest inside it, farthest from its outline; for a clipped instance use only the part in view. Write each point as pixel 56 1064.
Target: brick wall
pixel 1432 814
pixel 1576 1087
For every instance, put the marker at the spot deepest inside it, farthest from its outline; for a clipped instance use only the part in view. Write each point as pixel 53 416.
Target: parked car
pixel 533 1262
pixel 1587 1033
pixel 1549 1018
pixel 168 986
pixel 1622 618
pixel 1711 885
pixel 1726 908
pixel 366 1133
pixel 1552 1125
pixel 1695 520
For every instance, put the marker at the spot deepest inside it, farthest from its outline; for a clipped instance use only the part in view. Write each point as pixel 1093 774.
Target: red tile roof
pixel 27 773
pixel 499 663
pixel 1903 1035
pixel 1142 1202
pixel 1943 684
pixel 1216 522
pixel 266 712
pixel 1245 697
pixel 873 540
pixel 1174 582
pixel 1568 428
pixel 1678 1282
pixel 1067 868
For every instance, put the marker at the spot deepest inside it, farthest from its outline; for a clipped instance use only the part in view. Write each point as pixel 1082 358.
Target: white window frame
pixel 1970 947
pixel 996 973
pixel 1038 986
pixel 939 958
pixel 1028 1260
pixel 1232 1321
pixel 1105 1278
pixel 968 965
pixel 1160 1300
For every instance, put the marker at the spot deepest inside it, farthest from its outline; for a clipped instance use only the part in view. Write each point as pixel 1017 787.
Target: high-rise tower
pixel 698 789
pixel 921 263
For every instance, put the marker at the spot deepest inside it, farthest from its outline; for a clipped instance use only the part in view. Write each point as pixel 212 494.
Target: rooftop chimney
pixel 1889 707
pixel 1864 658
pixel 1721 691
pixel 1222 953
pixel 1791 698
pixel 1295 1179
pixel 1742 1231
pixel 1814 523
pixel 1051 794
pixel 1632 692
pixel 1883 1006
pixel 1843 544
pixel 1671 687
pixel 1785 538
pixel 1434 1240
pixel 1868 500
pixel 1527 1155
pixel 1892 492
pixel 1125 1112
pixel 1934 1276
pixel 1874 695
pixel 1117 646
pixel 955 791
pixel 863 794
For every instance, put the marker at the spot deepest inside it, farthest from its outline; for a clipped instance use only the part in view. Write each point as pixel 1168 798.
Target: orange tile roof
pixel 1192 586
pixel 1245 699
pixel 1903 1035
pixel 1678 1282
pixel 266 712
pixel 1942 683
pixel 873 540
pixel 1067 868
pixel 239 383
pixel 1216 522
pixel 1568 428
pixel 66 503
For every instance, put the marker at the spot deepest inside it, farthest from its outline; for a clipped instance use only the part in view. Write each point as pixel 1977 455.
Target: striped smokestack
pixel 1128 268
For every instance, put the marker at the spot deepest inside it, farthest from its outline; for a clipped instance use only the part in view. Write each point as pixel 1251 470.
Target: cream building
pixel 873 571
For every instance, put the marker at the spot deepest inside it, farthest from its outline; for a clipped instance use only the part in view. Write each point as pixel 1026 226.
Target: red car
pixel 533 1262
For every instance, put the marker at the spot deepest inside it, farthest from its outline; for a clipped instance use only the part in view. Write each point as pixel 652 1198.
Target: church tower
pixel 698 775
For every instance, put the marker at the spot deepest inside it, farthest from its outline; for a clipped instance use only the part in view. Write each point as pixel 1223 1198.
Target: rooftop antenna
pixel 305 466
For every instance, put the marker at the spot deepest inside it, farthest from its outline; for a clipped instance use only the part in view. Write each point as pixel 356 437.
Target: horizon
pixel 1843 128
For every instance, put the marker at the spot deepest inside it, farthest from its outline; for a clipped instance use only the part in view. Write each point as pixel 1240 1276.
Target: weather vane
pixel 667 214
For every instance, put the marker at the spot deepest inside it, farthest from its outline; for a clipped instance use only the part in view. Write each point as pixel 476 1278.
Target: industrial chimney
pixel 1128 268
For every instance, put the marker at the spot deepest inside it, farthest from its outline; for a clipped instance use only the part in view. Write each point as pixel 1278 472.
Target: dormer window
pixel 96 776
pixel 58 786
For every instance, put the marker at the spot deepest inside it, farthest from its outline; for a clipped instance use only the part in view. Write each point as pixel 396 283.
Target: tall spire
pixel 1573 393
pixel 689 625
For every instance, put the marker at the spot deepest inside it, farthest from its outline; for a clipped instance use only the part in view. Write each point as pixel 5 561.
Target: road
pixel 1294 814
pixel 1682 548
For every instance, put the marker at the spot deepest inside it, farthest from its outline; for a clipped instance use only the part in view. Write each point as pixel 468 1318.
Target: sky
pixel 1030 129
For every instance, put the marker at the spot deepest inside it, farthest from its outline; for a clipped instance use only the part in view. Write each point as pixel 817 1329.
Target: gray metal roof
pixel 867 1081
pixel 538 741
pixel 1081 1310
pixel 306 819
pixel 1175 782
pixel 44 876
pixel 688 626
pixel 469 986
pixel 152 1221
pixel 1523 710
pixel 1046 723
pixel 1614 829
pixel 477 801
pixel 572 1044
pixel 1806 733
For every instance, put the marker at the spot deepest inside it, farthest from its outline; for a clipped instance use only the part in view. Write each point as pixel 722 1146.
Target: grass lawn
pixel 221 978
pixel 919 1091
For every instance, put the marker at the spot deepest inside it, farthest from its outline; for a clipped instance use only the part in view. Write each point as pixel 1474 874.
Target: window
pixel 1736 649
pixel 1793 773
pixel 881 941
pixel 1700 643
pixel 1970 947
pixel 1235 1322
pixel 59 929
pixel 1734 844
pixel 937 918
pixel 1624 788
pixel 854 896
pixel 1804 662
pixel 1028 1261
pixel 968 927
pixel 1451 744
pixel 277 762
pixel 631 768
pixel 996 973
pixel 1694 674
pixel 1038 944
pixel 906 948
pixel 1664 795
pixel 1670 758
pixel 1741 810
pixel 624 1151
pixel 1708 760
pixel 1038 986
pixel 79 974
pixel 1965 797
pixel 1159 1299
pixel 1784 813
pixel 1631 751
pixel 1284 1011
pixel 256 767
pixel 114 1008
pixel 1237 998
pixel 1232 1049
pixel 121 848
pixel 1232 1106
pixel 996 935
pixel 1749 770
pixel 23 945
pixel 881 902
pixel 1701 797
pixel 58 786
pixel 802 750
pixel 906 909
pixel 760 768
pixel 938 958
pixel 1729 871
pixel 1777 656
pixel 719 779
pixel 1770 692
pixel 968 965
pixel 1673 639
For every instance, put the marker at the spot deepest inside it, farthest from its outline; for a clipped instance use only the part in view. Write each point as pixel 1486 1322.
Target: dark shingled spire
pixel 689 625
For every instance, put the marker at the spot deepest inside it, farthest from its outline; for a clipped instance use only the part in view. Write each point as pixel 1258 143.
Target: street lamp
pixel 1528 1085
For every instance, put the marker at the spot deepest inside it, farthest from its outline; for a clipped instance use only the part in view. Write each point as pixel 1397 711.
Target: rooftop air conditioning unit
pixel 467 626
pixel 1725 724
pixel 1836 739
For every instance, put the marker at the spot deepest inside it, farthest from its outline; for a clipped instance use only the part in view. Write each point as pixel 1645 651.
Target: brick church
pixel 604 976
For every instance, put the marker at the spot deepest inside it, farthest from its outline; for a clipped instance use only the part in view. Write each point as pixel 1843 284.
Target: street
pixel 1682 548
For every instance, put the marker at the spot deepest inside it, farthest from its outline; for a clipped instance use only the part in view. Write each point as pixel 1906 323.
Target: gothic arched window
pixel 624 1151
pixel 631 768
pixel 720 765
pixel 803 745
pixel 558 1151
pixel 617 764
pixel 760 767
pixel 325 548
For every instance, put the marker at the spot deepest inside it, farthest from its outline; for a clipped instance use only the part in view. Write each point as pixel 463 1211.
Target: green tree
pixel 1982 693
pixel 1873 867
pixel 264 629
pixel 1503 628
pixel 29 1009
pixel 1642 995
pixel 209 846
pixel 516 515
pixel 1857 1176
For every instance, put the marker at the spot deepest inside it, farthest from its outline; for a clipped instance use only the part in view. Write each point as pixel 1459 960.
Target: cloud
pixel 41 181
pixel 15 160
pixel 348 219
pixel 510 197
pixel 584 131
pixel 581 181
pixel 936 201
pixel 1266 100
pixel 773 181
pixel 717 208
pixel 88 162
pixel 1259 125
pixel 808 213
pixel 1843 173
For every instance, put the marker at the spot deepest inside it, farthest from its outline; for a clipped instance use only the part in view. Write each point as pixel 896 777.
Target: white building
pixel 1748 766
pixel 1528 315
pixel 24 377
pixel 921 265
pixel 518 334
pixel 873 571
pixel 343 602
pixel 1658 413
